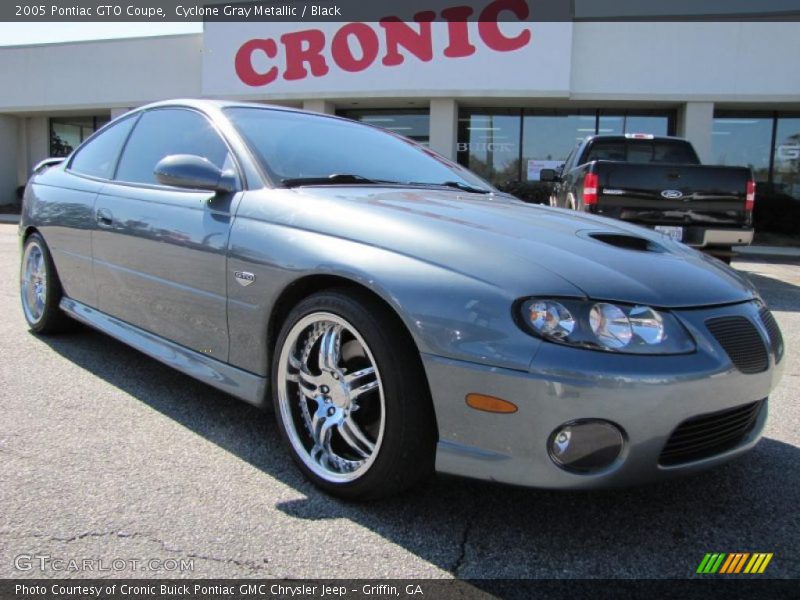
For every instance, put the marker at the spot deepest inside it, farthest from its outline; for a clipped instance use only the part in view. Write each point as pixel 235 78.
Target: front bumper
pixel 646 396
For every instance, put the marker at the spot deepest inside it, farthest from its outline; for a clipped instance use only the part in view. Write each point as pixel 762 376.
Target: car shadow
pixel 483 530
pixel 780 295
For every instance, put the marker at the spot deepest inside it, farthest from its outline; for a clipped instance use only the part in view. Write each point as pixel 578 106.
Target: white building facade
pixel 504 99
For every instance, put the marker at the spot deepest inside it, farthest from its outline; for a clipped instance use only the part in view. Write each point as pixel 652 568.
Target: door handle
pixel 104 216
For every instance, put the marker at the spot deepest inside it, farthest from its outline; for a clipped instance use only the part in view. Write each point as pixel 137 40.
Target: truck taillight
pixel 750 199
pixel 590 185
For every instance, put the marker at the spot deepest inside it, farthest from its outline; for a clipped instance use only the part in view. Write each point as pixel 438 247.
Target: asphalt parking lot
pixel 107 454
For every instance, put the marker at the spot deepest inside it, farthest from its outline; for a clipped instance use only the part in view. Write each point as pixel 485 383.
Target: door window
pixel 163 132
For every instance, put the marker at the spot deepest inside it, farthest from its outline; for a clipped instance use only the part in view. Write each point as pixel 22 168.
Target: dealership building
pixel 504 99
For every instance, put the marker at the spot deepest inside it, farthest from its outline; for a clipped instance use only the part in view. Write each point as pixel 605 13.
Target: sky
pixel 15 34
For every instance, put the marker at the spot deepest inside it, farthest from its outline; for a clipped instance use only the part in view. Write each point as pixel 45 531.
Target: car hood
pixel 522 248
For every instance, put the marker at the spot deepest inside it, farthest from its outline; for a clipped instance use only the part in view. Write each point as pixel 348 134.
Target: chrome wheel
pixel 33 284
pixel 330 397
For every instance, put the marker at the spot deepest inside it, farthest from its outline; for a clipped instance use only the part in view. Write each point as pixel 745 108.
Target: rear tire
pixel 40 289
pixel 723 254
pixel 351 398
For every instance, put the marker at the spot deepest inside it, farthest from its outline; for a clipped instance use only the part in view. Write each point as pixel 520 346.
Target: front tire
pixel 40 288
pixel 351 398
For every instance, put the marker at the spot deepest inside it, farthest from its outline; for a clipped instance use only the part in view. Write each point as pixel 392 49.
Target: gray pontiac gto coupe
pixel 400 313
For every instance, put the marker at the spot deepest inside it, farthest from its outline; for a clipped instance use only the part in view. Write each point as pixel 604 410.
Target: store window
pixel 414 124
pixel 786 171
pixel 768 143
pixel 548 138
pixel 652 122
pixel 489 144
pixel 67 133
pixel 742 140
pixel 511 146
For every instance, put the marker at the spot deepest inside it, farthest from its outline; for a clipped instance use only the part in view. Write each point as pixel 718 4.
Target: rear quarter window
pixel 98 156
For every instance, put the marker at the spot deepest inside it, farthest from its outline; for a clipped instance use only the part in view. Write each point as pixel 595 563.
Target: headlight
pixel 606 326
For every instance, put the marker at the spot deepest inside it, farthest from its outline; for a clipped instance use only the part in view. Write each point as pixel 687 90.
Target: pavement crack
pixel 462 548
pixel 252 565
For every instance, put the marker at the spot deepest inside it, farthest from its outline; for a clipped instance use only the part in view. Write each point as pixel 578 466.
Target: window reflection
pixel 743 141
pixel 635 122
pixel 67 133
pixel 786 175
pixel 488 144
pixel 411 123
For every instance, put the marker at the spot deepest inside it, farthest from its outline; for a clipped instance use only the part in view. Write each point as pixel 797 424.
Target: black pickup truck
pixel 658 182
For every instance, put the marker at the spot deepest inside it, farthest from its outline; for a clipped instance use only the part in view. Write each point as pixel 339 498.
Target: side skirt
pixel 236 382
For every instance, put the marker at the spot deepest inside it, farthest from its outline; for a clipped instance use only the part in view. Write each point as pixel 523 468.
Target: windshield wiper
pixel 464 187
pixel 335 179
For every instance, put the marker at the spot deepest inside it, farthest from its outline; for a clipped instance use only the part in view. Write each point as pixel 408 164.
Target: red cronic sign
pixel 355 47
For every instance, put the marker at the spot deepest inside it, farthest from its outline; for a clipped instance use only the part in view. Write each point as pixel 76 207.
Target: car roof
pixel 613 137
pixel 211 105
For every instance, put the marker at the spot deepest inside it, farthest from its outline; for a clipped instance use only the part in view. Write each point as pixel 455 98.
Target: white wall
pixel 99 74
pixel 735 62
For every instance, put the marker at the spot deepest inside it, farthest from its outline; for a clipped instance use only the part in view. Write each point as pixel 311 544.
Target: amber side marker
pixel 490 404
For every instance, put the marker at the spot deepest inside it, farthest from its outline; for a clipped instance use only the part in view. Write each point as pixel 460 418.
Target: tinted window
pixel 607 151
pixel 643 151
pixel 163 132
pixel 98 157
pixel 299 146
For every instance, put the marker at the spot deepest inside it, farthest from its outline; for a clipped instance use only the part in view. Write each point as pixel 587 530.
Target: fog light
pixel 586 446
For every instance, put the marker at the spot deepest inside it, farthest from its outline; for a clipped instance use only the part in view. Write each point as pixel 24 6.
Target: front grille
pixel 775 337
pixel 741 340
pixel 710 434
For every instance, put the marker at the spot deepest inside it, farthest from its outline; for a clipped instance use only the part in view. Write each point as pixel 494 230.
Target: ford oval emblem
pixel 672 194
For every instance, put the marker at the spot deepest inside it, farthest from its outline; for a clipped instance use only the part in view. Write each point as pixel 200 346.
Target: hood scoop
pixel 627 241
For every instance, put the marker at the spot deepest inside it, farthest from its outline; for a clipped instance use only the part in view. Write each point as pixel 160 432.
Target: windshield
pixel 302 149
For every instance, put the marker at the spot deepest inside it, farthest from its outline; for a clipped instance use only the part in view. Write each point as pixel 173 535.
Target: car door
pixel 160 252
pixel 64 198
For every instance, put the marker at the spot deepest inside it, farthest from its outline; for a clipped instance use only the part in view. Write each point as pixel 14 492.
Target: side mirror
pixel 194 173
pixel 548 175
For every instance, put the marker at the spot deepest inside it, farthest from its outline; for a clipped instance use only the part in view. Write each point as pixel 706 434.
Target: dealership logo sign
pixel 734 563
pixel 356 47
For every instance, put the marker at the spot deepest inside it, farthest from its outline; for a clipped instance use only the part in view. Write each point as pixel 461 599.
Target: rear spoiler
pixel 46 164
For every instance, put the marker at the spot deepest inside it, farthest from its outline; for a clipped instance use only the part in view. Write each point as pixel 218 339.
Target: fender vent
pixel 628 242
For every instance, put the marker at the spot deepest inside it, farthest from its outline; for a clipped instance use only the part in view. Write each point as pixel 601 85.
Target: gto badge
pixel 672 194
pixel 244 278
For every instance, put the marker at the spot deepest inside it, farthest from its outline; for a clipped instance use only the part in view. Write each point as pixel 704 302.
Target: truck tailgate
pixel 651 194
